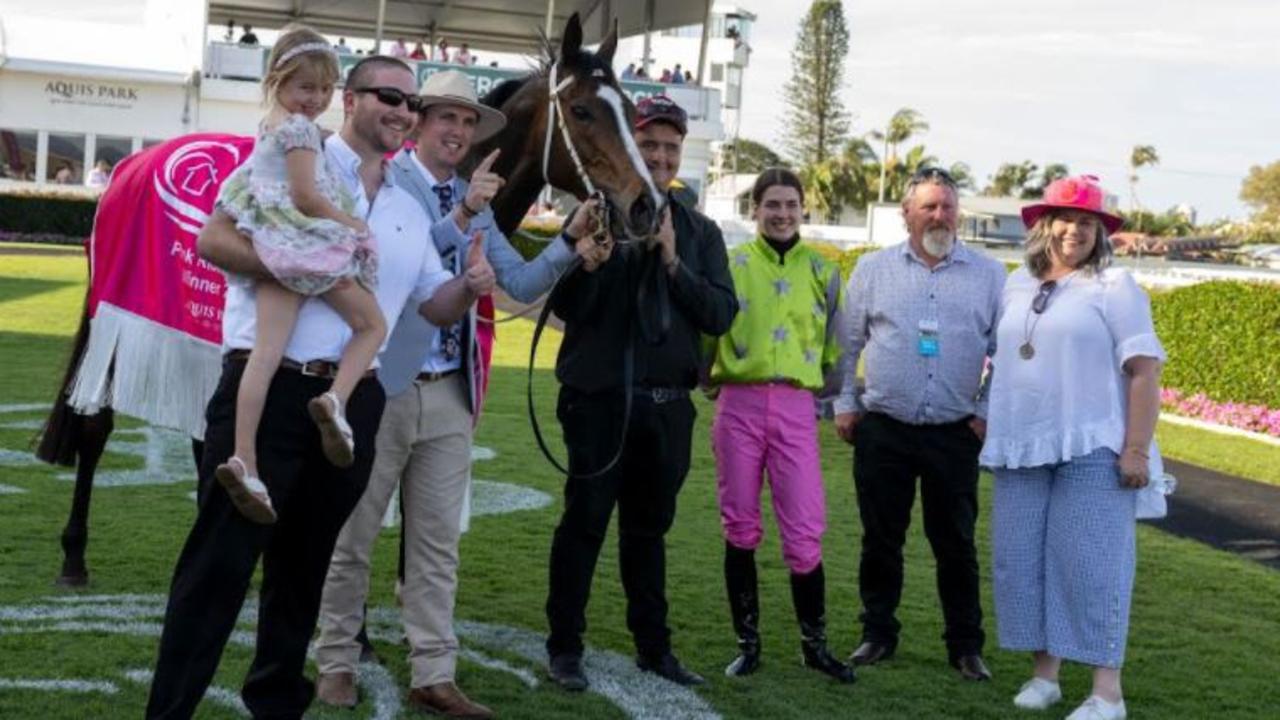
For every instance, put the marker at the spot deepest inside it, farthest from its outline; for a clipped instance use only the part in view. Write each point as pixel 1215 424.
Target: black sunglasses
pixel 393 97
pixel 933 174
pixel 1041 301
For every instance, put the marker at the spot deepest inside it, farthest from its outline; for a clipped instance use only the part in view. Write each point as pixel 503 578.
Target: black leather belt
pixel 311 368
pixel 429 377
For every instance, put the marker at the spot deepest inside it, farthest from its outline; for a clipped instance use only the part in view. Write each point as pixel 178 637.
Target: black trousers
pixel 643 485
pixel 312 499
pixel 888 457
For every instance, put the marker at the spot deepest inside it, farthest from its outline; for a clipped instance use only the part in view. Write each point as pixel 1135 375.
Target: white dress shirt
pixel 409 269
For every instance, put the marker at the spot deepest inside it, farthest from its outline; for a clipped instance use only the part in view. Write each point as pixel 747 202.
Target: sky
pixel 1077 82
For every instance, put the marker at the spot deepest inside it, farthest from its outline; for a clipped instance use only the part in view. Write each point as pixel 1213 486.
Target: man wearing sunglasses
pixel 922 315
pixel 312 497
pixel 431 370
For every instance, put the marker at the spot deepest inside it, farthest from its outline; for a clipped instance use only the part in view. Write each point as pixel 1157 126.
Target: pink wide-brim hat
pixel 1073 193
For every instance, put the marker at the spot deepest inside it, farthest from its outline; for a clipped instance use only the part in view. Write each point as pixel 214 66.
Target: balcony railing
pixel 240 62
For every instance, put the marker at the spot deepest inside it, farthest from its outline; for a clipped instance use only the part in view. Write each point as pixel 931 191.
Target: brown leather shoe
pixel 447 700
pixel 870 653
pixel 337 689
pixel 971 667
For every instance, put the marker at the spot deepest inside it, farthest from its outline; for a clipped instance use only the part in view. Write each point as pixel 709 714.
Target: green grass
pixel 1230 454
pixel 1204 641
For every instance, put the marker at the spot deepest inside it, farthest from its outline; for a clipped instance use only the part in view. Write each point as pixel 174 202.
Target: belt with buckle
pixel 311 368
pixel 660 395
pixel 429 377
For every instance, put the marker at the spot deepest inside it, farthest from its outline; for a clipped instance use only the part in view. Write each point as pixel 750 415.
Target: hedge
pixel 1223 339
pixel 47 215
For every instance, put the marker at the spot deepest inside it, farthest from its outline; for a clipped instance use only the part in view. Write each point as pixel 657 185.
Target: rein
pixel 652 270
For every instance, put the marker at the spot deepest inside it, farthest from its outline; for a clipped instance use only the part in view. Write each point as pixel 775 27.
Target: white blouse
pixel 1070 397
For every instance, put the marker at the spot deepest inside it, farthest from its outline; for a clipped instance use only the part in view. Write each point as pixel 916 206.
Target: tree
pixel 962 174
pixel 1011 179
pixel 748 156
pixel 1140 157
pixel 902 126
pixel 816 122
pixel 1261 191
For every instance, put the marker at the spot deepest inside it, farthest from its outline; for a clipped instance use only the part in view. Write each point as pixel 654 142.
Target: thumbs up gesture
pixel 478 274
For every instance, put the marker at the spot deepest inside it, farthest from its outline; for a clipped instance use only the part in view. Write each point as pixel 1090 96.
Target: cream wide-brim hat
pixel 451 87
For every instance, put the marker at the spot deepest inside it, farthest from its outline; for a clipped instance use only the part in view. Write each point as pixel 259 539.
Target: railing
pixel 241 62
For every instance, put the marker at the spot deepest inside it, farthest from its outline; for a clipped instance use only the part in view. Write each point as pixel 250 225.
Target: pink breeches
pixel 770 427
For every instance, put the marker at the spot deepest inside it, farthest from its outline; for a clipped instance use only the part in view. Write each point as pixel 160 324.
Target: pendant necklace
pixel 1039 304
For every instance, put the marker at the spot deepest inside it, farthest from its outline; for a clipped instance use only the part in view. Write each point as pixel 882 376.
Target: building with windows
pixel 79 93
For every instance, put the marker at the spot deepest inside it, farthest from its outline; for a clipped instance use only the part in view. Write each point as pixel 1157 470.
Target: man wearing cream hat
pixel 431 371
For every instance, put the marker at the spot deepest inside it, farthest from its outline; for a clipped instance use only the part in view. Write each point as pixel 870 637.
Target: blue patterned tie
pixel 444 192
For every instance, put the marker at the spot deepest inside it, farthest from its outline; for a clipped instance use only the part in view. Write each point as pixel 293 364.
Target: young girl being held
pixel 298 214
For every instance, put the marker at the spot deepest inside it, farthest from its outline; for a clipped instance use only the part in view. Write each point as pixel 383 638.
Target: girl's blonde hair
pixel 323 62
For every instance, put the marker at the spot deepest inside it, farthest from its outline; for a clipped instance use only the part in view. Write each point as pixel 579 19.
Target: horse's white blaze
pixel 611 96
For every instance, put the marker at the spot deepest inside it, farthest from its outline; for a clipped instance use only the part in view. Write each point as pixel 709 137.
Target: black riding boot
pixel 808 592
pixel 744 605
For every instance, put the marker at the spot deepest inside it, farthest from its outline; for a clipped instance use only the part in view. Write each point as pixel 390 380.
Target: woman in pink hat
pixel 1073 407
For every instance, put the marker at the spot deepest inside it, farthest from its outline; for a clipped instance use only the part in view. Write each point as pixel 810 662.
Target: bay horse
pixel 568 124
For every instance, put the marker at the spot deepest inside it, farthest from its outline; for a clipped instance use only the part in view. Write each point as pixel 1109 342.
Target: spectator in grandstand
pixel 399 50
pixel 248 38
pixel 419 52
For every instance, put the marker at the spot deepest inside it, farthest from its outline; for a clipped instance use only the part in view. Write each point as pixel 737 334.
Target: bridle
pixel 555 118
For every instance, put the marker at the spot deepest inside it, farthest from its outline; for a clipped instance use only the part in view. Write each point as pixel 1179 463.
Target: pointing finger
pixel 487 163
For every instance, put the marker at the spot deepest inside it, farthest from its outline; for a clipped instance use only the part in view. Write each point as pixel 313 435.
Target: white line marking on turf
pixel 28 407
pixel 483 660
pixel 479 453
pixel 10 490
pixel 78 686
pixel 220 695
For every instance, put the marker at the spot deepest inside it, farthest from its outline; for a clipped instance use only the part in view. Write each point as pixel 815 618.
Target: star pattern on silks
pixel 819 310
pixel 740 351
pixel 810 356
pixel 744 303
pixel 781 286
pixel 740 259
pixel 780 334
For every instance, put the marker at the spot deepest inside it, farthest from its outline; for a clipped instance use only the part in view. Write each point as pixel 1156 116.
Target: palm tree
pixel 902 126
pixel 1142 156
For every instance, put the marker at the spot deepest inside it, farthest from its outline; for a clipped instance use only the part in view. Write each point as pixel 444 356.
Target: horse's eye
pixel 580 113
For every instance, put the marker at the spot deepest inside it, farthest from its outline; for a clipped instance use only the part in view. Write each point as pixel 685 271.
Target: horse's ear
pixel 571 43
pixel 610 44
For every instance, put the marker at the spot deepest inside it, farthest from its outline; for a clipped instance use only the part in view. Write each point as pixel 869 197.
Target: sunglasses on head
pixel 933 174
pixel 1041 300
pixel 393 97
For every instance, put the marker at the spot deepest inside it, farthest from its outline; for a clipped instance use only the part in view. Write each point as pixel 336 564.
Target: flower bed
pixel 1242 416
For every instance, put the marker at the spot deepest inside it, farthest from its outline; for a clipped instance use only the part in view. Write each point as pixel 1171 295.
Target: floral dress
pixel 305 254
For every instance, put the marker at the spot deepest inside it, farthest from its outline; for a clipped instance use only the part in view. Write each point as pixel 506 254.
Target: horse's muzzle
pixel 642 217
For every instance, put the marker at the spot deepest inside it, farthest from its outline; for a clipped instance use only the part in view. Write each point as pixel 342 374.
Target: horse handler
pixel 313 497
pixel 612 306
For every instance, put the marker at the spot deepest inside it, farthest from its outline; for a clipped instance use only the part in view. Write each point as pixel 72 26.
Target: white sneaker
pixel 1037 694
pixel 1095 708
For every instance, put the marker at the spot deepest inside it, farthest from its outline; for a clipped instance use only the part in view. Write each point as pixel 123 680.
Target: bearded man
pixel 924 312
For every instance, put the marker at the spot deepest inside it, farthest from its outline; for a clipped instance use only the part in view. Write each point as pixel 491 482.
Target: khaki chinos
pixel 424 443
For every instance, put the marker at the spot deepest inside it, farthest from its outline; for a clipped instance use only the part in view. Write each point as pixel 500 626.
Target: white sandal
pixel 335 434
pixel 247 492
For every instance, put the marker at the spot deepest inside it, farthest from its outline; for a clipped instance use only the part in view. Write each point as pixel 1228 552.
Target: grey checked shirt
pixel 890 293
